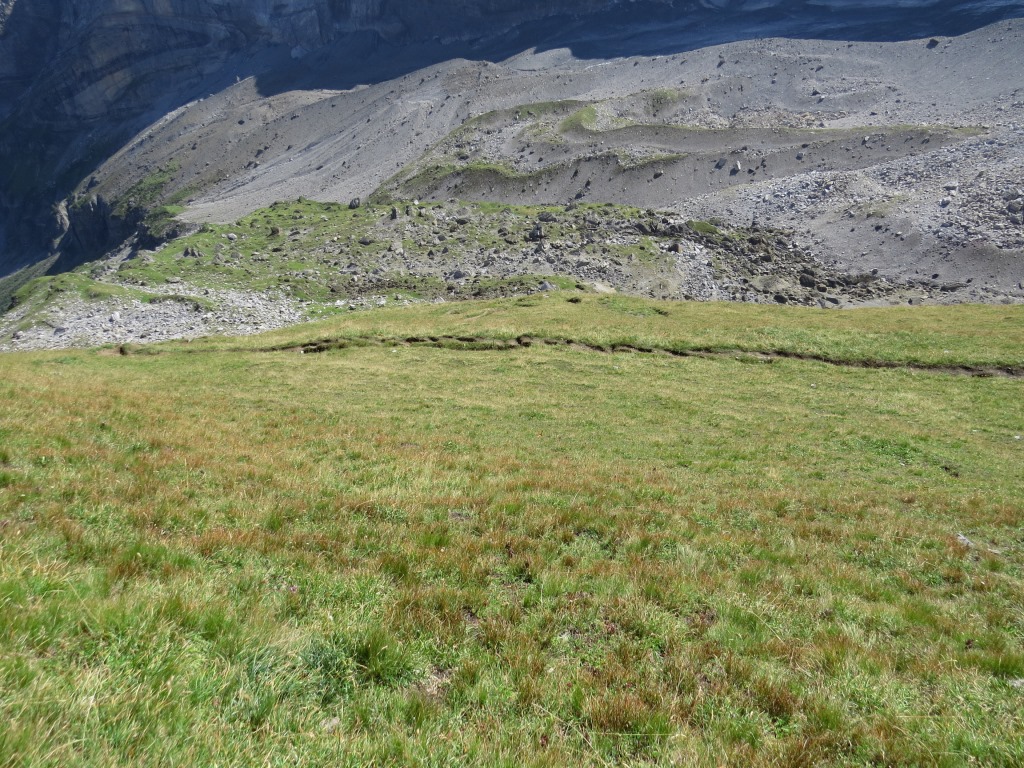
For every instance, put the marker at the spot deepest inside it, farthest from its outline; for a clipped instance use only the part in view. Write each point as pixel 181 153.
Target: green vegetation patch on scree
pixel 543 556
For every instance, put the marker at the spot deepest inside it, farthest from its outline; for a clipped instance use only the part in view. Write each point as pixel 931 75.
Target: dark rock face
pixel 106 57
pixel 84 60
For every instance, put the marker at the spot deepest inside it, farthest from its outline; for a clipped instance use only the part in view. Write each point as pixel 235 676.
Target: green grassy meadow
pixel 391 553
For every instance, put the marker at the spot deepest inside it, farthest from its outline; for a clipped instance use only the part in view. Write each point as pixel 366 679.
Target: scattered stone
pixel 354 203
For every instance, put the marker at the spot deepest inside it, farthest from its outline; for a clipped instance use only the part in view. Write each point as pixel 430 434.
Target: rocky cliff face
pixel 86 60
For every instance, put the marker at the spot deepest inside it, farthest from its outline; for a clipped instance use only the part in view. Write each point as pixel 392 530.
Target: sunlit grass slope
pixel 406 555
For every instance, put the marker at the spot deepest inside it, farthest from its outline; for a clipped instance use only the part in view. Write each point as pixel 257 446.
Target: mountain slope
pixel 897 160
pixel 78 79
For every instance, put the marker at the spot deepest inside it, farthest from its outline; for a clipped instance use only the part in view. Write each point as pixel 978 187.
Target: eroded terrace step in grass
pixel 971 338
pixel 483 343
